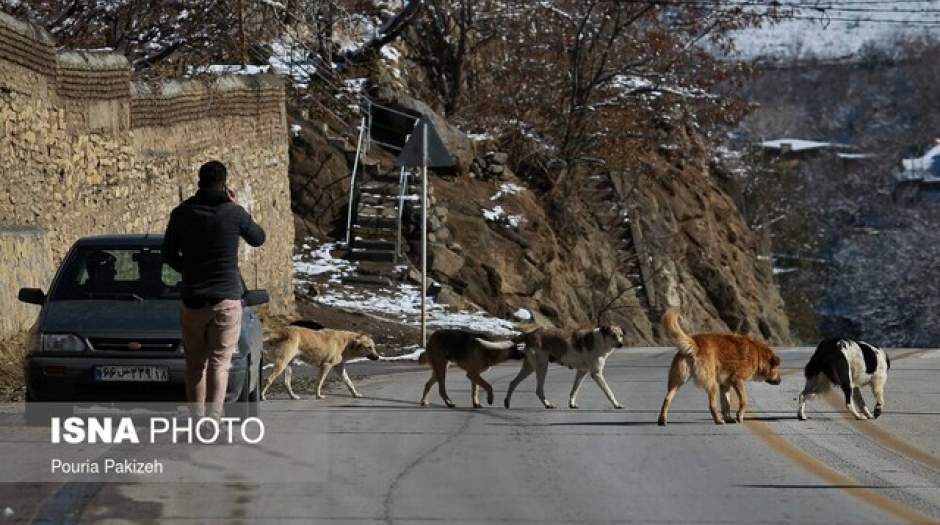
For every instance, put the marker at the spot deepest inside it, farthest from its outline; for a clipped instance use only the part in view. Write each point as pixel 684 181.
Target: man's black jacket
pixel 201 242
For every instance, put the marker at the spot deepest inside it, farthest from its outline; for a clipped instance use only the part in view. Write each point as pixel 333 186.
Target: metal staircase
pixel 382 198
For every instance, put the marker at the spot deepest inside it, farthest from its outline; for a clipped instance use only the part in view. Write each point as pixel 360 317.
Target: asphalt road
pixel 384 459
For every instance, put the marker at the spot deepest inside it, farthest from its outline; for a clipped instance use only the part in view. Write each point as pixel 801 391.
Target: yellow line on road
pixel 849 485
pixel 882 436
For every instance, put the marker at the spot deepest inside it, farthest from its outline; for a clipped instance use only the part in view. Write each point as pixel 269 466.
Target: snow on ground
pixel 317 261
pixel 354 85
pixel 842 31
pixel 413 353
pixel 495 214
pixel 316 267
pixel 227 69
pixel 507 189
pixel 499 215
pixel 290 59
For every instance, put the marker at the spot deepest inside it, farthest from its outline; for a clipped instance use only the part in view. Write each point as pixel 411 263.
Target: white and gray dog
pixel 585 351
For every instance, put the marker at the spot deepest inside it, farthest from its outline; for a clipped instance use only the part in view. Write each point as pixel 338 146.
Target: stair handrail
pixel 402 189
pixel 352 183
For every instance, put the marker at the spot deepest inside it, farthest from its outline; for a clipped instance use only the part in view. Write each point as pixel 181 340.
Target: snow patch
pixel 413 355
pixel 293 61
pixel 493 215
pixel 499 215
pixel 227 69
pixel 354 85
pixel 507 189
pixel 522 314
pixel 317 261
pixel 316 267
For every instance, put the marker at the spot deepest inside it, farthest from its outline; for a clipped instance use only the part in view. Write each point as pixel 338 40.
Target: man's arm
pixel 250 230
pixel 171 244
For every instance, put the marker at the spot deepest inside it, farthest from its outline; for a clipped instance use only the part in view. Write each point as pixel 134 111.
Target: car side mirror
pixel 255 297
pixel 32 296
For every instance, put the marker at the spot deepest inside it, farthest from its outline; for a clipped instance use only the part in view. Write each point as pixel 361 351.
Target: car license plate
pixel 132 373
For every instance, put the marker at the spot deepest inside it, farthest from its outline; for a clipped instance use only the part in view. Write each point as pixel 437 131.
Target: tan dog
pixel 325 349
pixel 717 362
pixel 471 351
pixel 584 350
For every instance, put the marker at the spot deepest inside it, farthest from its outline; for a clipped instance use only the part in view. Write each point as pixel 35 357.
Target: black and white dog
pixel 849 365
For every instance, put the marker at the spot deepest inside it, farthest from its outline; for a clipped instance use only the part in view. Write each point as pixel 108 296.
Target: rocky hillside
pixel 571 257
pixel 534 222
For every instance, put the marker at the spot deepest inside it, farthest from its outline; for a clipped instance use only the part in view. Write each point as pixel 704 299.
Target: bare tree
pixel 583 77
pixel 447 37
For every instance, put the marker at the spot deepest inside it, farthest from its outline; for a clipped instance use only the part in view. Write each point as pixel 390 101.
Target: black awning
pixel 412 155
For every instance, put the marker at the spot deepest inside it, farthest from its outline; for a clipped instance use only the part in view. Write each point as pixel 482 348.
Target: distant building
pixel 924 169
pixel 919 177
pixel 802 149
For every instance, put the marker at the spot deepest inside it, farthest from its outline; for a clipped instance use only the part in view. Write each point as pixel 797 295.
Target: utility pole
pixel 424 235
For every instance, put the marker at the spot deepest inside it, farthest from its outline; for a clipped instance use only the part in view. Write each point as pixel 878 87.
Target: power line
pixel 797 6
pixel 820 8
pixel 921 23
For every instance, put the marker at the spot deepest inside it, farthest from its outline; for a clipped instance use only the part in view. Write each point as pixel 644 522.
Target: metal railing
pixel 353 193
pixel 363 146
pixel 402 190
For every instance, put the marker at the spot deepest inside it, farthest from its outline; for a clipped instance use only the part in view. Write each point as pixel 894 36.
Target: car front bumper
pixel 72 379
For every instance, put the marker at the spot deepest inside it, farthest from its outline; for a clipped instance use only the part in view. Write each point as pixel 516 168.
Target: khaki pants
pixel 210 337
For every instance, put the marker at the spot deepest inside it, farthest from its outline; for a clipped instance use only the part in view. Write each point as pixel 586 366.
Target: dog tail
pixel 684 343
pixel 495 345
pixel 423 358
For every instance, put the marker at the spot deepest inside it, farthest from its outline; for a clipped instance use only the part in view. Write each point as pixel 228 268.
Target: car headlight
pixel 62 343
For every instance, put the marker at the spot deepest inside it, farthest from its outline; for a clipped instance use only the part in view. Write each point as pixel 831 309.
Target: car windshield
pixel 133 274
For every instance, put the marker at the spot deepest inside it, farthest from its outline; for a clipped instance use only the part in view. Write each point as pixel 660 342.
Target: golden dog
pixel 717 362
pixel 325 349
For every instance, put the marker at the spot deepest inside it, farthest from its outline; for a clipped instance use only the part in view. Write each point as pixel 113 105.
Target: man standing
pixel 201 243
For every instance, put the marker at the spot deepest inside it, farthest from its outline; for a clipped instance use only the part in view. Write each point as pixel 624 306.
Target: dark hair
pixel 212 175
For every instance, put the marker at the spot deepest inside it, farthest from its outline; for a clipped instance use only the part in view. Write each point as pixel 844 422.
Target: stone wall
pixel 25 263
pixel 85 151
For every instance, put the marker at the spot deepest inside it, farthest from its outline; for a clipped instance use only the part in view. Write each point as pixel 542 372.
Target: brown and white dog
pixel 717 362
pixel 583 350
pixel 326 349
pixel 474 352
